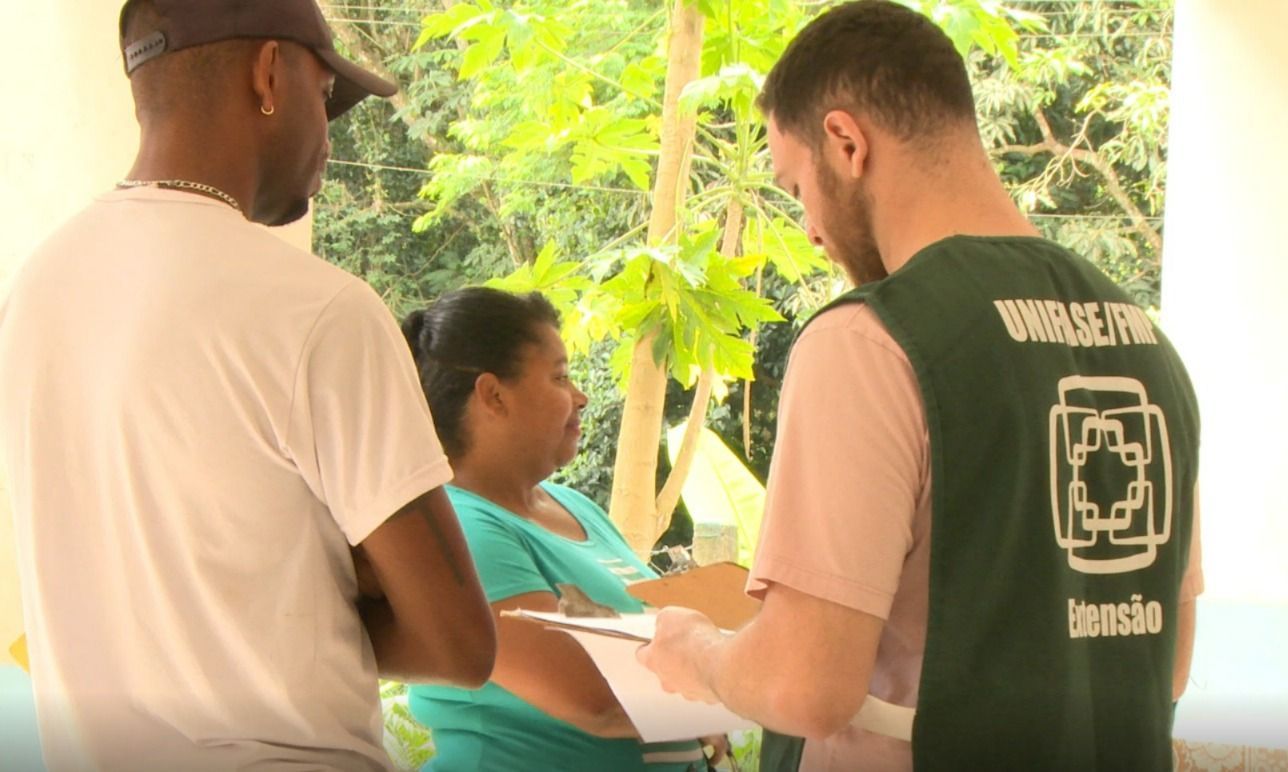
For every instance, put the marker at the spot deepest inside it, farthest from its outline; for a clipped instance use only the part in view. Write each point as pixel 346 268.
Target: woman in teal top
pixel 495 373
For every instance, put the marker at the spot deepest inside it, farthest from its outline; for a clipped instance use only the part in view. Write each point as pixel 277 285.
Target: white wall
pixel 1225 279
pixel 68 133
pixel 68 130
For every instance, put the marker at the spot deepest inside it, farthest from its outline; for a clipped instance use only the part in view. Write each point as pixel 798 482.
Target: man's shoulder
pixel 301 279
pixel 849 323
pixel 270 252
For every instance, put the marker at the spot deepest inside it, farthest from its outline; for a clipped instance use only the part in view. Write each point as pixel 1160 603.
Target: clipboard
pixel 717 590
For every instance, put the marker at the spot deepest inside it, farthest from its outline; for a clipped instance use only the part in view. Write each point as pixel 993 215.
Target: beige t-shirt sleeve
pixel 849 463
pixel 360 429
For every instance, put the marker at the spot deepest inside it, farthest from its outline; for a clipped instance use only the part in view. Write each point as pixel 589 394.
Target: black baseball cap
pixel 187 23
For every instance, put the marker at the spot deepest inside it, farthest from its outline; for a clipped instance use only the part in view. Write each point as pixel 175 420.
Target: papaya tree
pixel 671 288
pixel 662 102
pixel 533 132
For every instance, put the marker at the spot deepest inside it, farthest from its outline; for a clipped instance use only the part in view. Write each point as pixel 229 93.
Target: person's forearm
pixel 741 677
pixel 731 669
pixel 404 656
pixel 553 672
pixel 800 667
pixel 575 693
pixel 610 724
pixel 430 621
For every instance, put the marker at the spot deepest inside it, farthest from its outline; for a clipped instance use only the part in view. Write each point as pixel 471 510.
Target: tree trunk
pixel 633 506
pixel 670 495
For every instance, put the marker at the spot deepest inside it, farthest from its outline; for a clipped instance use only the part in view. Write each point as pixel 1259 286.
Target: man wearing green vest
pixel 982 503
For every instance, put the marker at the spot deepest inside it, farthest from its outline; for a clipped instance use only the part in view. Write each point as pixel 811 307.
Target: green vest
pixel 1064 453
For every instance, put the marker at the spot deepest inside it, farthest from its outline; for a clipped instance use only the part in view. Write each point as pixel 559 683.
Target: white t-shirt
pixel 848 509
pixel 198 420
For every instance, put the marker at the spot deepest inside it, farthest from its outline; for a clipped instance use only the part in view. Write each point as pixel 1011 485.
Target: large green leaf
pixel 564 287
pixel 785 245
pixel 449 22
pixel 488 41
pixel 736 84
pixel 720 488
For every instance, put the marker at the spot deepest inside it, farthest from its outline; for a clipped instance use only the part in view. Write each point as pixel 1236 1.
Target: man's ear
pixel 489 394
pixel 844 142
pixel 266 73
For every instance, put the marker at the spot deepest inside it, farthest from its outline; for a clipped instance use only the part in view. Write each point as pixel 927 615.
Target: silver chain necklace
pixel 199 187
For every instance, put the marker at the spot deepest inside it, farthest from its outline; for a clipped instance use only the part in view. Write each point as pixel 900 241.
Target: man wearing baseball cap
pixel 226 482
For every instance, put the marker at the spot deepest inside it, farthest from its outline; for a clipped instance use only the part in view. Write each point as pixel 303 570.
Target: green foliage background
pixel 452 184
pixel 533 130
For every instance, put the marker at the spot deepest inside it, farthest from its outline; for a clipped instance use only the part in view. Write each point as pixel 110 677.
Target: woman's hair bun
pixel 416 332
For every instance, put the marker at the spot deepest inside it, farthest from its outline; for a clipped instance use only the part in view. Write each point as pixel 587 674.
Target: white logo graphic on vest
pixel 1111 470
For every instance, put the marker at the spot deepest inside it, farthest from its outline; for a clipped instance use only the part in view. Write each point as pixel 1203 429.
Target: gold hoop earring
pixel 267 110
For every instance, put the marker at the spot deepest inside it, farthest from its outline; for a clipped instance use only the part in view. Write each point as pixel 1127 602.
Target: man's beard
pixel 848 222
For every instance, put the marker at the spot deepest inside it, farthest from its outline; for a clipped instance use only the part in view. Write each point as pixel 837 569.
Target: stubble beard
pixel 849 223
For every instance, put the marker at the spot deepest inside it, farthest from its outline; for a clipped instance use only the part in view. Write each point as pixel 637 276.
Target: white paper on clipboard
pixel 658 715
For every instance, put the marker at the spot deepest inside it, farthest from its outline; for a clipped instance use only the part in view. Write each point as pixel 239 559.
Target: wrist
pixel 709 653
